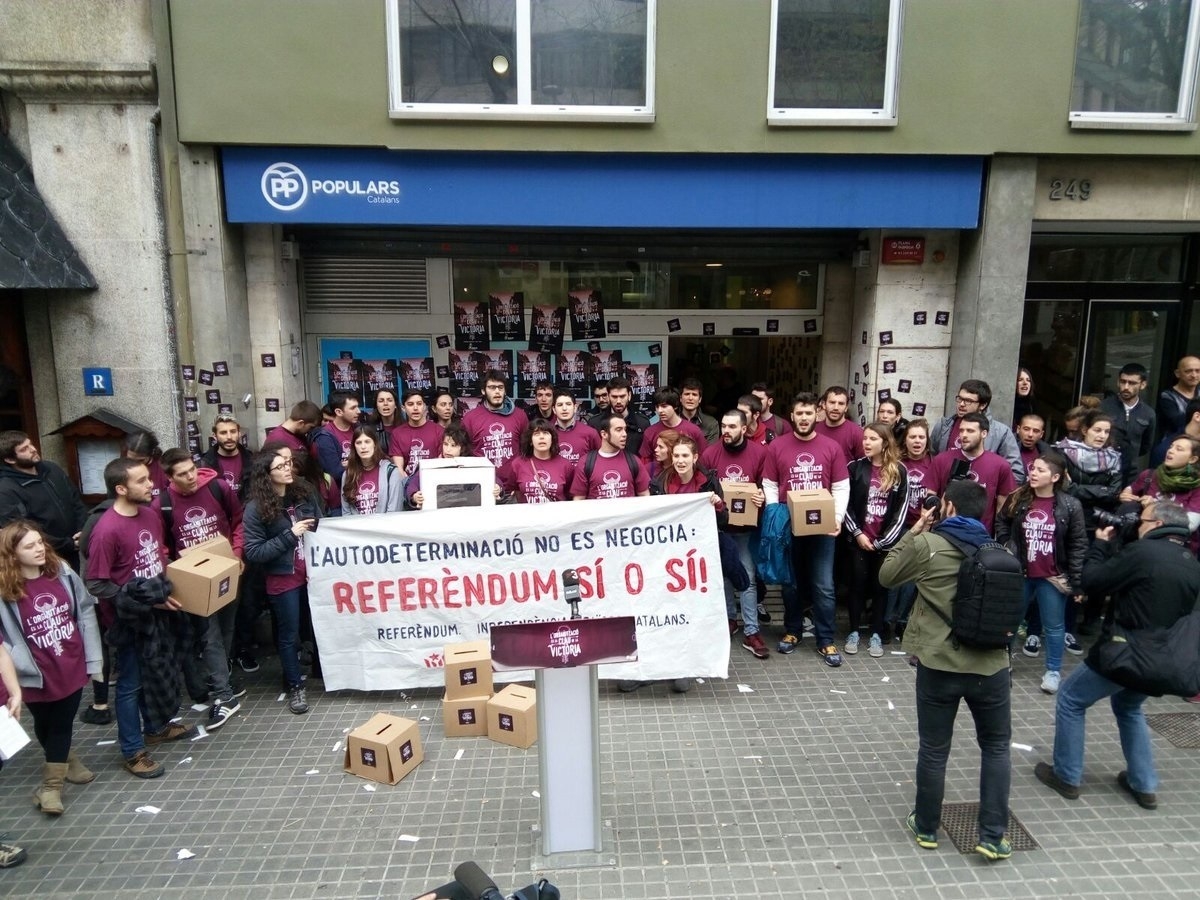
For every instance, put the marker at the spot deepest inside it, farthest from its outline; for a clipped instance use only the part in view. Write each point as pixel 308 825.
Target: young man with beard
pixel 331 443
pixel 303 418
pixel 756 430
pixel 691 393
pixel 970 461
pixel 615 471
pixel 495 426
pixel 600 398
pixel 842 431
pixel 227 457
pixel 766 396
pixel 39 491
pixel 198 506
pixel 974 396
pixel 575 437
pixel 417 438
pixel 126 571
pixel 735 458
pixel 619 395
pixel 1030 431
pixel 1133 421
pixel 668 407
pixel 798 461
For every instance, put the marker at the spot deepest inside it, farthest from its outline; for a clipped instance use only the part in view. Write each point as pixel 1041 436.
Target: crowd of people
pixel 84 598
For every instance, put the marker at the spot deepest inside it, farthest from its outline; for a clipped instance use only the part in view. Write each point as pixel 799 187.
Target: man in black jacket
pixel 619 394
pixel 1133 420
pixel 1153 582
pixel 37 490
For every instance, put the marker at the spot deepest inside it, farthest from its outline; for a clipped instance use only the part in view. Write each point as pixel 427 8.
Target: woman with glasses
pixel 372 483
pixel 282 509
pixel 1044 527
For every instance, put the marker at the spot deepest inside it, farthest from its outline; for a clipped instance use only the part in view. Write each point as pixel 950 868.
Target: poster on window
pixel 417 375
pixel 532 366
pixel 587 314
pixel 464 374
pixel 496 361
pixel 547 328
pixel 643 384
pixel 574 371
pixel 508 315
pixel 470 325
pixel 346 375
pixel 606 364
pixel 378 374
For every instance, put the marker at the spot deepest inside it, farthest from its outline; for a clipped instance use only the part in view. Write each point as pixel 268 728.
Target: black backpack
pixel 989 603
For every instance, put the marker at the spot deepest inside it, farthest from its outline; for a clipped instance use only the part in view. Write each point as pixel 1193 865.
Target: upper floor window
pixel 591 60
pixel 834 62
pixel 1135 64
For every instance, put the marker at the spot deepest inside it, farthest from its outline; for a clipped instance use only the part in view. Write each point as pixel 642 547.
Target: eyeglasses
pixel 1140 519
pixel 966 401
pixel 287 464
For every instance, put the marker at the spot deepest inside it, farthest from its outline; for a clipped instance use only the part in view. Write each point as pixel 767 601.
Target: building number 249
pixel 1072 189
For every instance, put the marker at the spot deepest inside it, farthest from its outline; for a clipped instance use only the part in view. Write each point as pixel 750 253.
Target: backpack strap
pixel 589 464
pixel 970 551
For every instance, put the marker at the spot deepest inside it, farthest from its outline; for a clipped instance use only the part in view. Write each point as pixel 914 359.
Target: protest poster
pixel 547 328
pixel 470 325
pixel 587 314
pixel 508 315
pixel 389 592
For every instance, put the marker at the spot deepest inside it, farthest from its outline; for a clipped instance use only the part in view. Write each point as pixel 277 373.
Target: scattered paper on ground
pixel 411 838
pixel 153 810
pixel 899 653
pixel 369 787
pixel 459 754
pixel 836 691
pixel 279 699
pixel 184 761
pixel 537 793
pixel 313 772
pixel 891 705
pixel 751 757
pixel 199 707
pixel 424 718
pixel 345 731
pixel 200 733
pixel 745 689
pixel 105 743
pixel 184 854
pixel 337 746
pixel 1024 747
pixel 886 678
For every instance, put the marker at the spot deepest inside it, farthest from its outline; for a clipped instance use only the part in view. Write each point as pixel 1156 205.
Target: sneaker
pixel 93 716
pixel 248 662
pixel 913 661
pixel 297 702
pixel 754 643
pixel 681 685
pixel 789 644
pixel 1033 646
pixel 830 654
pixel 925 839
pixel 764 617
pixel 142 766
pixel 1195 699
pixel 10 854
pixel 1046 775
pixel 1022 631
pixel 173 732
pixel 1072 646
pixel 875 647
pixel 807 629
pixel 733 627
pixel 239 691
pixel 628 687
pixel 1144 799
pixel 851 646
pixel 1050 682
pixel 222 711
pixel 1002 849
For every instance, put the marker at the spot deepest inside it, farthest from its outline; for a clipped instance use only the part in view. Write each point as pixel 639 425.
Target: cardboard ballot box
pixel 465 716
pixel 385 749
pixel 205 577
pixel 469 669
pixel 512 716
pixel 462 481
pixel 811 512
pixel 738 496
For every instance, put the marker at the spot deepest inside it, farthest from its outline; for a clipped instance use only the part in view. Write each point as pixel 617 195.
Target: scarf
pixel 1177 481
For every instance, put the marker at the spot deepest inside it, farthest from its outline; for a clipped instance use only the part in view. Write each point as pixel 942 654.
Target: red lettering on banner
pixel 427 591
pixel 406 595
pixel 342 597
pixel 387 594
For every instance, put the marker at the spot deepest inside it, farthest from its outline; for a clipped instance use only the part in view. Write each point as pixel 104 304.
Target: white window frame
pixel 1184 117
pixel 524 110
pixel 885 116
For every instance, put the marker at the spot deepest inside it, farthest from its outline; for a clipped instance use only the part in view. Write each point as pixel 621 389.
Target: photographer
pixel 1152 582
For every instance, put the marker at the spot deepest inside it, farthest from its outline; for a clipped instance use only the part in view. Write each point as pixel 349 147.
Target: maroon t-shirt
pixel 343 439
pixel 610 478
pixel 991 470
pixel 279 433
pixel 127 547
pixel 196 518
pixel 1146 485
pixel 848 436
pixel 366 498
pixel 922 480
pixel 1028 456
pixel 877 501
pixel 278 584
pixel 230 469
pixel 743 465
pixel 1039 539
pixel 495 436
pixel 797 465
pixel 538 480
pixel 416 444
pixel 576 442
pixel 54 639
pixel 646 449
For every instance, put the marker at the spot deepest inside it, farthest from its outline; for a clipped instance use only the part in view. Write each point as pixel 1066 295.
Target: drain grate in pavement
pixel 1181 729
pixel 961 822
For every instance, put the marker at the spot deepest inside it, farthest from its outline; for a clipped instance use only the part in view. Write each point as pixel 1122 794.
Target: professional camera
pixel 1121 521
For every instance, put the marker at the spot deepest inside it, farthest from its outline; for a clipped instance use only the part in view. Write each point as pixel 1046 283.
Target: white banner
pixel 388 592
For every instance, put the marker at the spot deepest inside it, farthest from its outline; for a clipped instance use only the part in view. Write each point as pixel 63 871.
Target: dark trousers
pixel 938 696
pixel 864 586
pixel 53 722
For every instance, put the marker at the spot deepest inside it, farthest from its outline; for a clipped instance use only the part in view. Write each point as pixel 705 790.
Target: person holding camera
pixel 1043 526
pixel 1152 581
pixel 949 672
pixel 1177 479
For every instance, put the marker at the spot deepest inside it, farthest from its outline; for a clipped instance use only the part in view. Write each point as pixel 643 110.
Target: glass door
pixel 1124 331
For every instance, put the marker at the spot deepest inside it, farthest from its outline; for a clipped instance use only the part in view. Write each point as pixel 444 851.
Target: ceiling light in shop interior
pixel 713 265
pixel 500 65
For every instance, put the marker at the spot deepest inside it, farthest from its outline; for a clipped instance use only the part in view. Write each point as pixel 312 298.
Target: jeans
pixel 749 597
pixel 205 663
pixel 131 710
pixel 812 563
pixel 900 602
pixel 938 696
pixel 1081 689
pixel 1052 610
pixel 287 633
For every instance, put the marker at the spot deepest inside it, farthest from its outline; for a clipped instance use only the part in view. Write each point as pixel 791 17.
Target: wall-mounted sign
pixel 902 251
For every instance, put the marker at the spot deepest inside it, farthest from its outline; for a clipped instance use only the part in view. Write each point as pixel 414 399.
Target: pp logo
pixel 284 186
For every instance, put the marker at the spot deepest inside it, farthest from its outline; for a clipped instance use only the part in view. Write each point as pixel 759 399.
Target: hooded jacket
pixel 83 611
pixel 46 498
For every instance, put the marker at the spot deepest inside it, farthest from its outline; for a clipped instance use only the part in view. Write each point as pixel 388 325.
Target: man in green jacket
pixel 948 674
